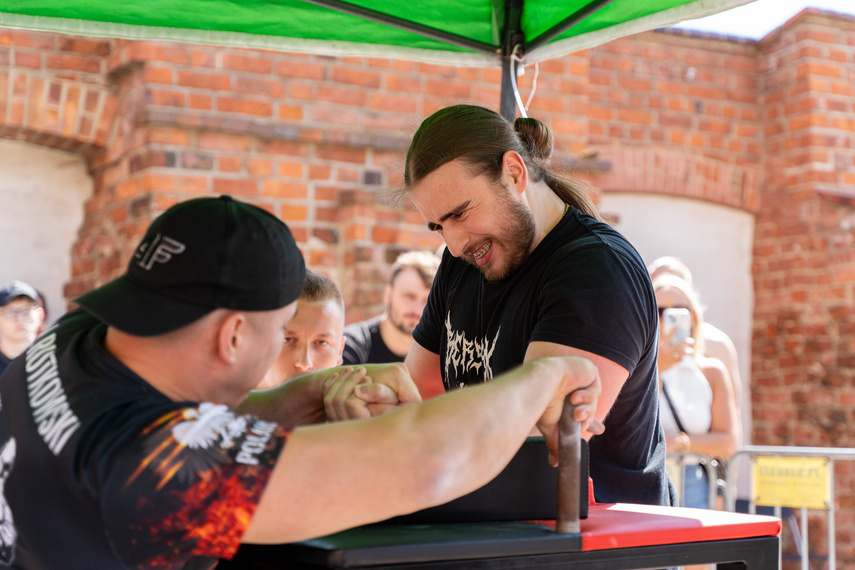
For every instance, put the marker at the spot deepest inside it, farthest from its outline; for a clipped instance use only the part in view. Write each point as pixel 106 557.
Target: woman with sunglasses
pixel 697 405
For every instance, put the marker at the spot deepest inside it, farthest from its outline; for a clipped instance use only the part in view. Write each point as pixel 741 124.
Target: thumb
pixel 376 394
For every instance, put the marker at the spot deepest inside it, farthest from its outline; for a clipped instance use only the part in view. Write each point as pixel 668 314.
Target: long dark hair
pixel 480 138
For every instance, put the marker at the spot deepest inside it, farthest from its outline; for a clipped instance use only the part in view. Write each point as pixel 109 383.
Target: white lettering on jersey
pixel 55 420
pixel 464 355
pixel 8 531
pixel 255 442
pixel 160 250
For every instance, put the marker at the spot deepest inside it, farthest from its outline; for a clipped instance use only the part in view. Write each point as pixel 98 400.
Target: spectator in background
pixel 697 407
pixel 388 337
pixel 20 319
pixel 717 344
pixel 42 301
pixel 314 338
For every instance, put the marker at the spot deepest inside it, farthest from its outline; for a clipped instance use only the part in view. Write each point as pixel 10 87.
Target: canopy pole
pixel 508 104
pixel 512 36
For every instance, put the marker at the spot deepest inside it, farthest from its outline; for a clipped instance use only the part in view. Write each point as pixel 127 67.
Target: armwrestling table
pixel 613 536
pixel 583 534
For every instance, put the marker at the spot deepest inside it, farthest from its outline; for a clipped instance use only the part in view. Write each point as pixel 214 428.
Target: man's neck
pixel 12 349
pixel 149 361
pixel 546 207
pixel 395 340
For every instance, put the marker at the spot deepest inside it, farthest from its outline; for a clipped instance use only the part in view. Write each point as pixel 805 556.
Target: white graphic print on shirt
pixel 464 355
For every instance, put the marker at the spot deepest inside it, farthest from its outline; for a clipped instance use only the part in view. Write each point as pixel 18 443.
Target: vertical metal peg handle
pixel 569 458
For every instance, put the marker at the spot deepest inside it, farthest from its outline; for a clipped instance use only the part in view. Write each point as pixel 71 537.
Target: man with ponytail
pixel 530 269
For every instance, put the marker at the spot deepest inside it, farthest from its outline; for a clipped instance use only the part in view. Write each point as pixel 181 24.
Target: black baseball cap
pixel 14 289
pixel 201 255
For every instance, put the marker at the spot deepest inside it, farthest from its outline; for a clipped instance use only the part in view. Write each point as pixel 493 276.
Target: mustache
pixel 470 251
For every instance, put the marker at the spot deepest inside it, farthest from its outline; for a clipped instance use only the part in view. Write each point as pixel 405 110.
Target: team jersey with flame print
pixel 128 477
pixel 196 489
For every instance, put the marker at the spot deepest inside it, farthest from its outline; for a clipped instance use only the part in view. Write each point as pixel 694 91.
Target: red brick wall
pixel 803 378
pixel 54 91
pixel 677 114
pixel 766 127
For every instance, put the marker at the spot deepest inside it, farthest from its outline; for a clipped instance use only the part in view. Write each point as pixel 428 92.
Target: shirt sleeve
pixel 187 484
pixel 356 339
pixel 597 300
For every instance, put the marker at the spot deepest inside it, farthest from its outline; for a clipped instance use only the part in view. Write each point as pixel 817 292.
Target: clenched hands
pixel 367 391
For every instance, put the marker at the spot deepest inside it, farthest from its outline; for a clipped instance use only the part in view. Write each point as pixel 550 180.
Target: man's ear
pixel 341 352
pixel 387 296
pixel 515 171
pixel 229 336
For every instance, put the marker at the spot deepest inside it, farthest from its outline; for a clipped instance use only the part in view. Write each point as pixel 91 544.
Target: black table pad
pixel 399 543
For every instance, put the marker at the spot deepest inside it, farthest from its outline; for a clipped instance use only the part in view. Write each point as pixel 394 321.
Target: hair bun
pixel 535 136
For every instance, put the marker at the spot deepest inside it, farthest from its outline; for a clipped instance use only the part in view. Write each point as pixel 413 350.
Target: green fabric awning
pixel 454 32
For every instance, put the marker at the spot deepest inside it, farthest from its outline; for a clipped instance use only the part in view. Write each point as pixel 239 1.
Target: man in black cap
pixel 20 319
pixel 129 424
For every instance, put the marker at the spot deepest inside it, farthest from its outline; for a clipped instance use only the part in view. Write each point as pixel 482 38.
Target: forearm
pixel 413 458
pixel 715 444
pixel 295 403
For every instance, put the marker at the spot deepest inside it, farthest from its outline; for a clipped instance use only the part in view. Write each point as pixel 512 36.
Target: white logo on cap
pixel 158 251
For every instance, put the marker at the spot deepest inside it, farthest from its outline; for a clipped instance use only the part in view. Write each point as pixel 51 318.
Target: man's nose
pixel 304 360
pixel 455 240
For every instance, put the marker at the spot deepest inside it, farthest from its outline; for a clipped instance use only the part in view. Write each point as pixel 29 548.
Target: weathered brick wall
pixel 54 91
pixel 677 113
pixel 803 378
pixel 297 135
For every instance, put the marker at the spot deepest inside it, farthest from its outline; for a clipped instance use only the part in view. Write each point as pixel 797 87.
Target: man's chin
pixel 490 272
pixel 404 328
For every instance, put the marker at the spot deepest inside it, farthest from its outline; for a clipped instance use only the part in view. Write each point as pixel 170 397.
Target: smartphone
pixel 680 319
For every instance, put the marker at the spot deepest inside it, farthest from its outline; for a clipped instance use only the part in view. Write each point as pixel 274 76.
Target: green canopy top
pixel 454 32
pixel 448 32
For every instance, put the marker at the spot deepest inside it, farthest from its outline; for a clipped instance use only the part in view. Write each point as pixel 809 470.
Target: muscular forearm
pixel 295 403
pixel 330 394
pixel 413 458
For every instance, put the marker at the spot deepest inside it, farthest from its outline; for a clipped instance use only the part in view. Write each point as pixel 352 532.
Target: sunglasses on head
pixel 662 309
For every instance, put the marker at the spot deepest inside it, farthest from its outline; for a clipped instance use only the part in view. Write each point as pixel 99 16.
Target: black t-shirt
pixel 363 344
pixel 594 295
pixel 4 362
pixel 100 470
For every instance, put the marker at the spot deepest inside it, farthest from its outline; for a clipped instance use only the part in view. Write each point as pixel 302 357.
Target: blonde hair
pixel 671 281
pixel 671 265
pixel 425 263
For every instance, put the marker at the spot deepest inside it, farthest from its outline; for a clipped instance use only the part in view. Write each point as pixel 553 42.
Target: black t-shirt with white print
pixel 100 470
pixel 594 295
pixel 363 344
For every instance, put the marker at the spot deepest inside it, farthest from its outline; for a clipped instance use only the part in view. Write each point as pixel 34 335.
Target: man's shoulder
pixel 361 330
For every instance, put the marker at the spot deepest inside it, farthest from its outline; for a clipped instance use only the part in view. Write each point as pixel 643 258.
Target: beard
pixel 513 240
pixel 398 321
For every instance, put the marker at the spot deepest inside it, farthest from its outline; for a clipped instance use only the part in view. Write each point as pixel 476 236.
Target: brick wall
pixel 679 114
pixel 766 127
pixel 803 382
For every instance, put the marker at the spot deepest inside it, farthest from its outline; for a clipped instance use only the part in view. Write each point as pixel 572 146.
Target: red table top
pixel 625 525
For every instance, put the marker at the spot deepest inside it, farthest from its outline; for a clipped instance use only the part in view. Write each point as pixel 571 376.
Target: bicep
pixel 612 375
pixel 424 368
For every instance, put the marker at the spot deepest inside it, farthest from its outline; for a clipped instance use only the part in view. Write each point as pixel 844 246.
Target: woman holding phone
pixel 697 405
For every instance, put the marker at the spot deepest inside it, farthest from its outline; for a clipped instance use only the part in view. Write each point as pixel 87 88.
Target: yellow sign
pixel 792 482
